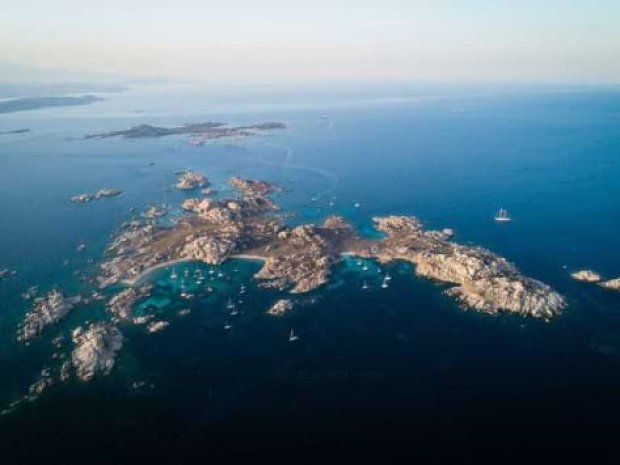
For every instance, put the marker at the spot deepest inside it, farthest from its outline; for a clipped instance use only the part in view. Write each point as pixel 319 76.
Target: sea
pixel 377 375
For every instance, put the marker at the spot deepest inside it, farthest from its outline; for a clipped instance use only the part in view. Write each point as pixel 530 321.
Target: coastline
pixel 166 264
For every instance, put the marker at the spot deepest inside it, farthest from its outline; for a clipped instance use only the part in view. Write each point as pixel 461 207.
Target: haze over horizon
pixel 274 41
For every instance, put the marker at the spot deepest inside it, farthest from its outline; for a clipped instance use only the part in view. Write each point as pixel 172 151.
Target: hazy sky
pixel 262 40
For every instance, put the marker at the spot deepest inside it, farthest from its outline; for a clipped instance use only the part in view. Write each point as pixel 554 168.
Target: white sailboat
pixel 292 337
pixel 502 216
pixel 230 305
pixel 385 284
pixel 364 285
pixel 173 275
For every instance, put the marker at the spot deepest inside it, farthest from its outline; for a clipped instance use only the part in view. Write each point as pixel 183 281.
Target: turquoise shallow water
pixel 397 372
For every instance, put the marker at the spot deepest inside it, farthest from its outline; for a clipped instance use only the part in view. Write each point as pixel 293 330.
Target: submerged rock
pixel 95 350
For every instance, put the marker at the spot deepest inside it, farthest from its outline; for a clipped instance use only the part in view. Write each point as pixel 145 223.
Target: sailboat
pixel 227 326
pixel 173 275
pixel 364 285
pixel 388 277
pixel 230 304
pixel 292 337
pixel 385 284
pixel 502 215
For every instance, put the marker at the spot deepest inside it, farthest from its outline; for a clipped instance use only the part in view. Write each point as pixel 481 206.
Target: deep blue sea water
pixel 375 376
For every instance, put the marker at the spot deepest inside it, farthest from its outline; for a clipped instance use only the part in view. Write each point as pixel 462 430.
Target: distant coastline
pixel 35 103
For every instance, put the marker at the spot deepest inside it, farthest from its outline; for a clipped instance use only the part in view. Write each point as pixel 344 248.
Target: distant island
pixel 35 103
pixel 14 131
pixel 200 132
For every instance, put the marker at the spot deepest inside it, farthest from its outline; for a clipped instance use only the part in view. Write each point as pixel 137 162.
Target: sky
pixel 320 40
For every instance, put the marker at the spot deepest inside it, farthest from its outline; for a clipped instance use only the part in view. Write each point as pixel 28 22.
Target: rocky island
pixel 95 349
pixel 190 180
pixel 300 259
pixel 46 311
pixel 199 132
pixel 295 260
pixel 593 277
pixel 100 194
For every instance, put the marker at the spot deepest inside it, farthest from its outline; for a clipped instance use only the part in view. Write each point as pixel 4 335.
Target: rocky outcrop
pixel 250 188
pixel 613 284
pixel 46 310
pixel 96 348
pixel 100 194
pixel 122 304
pixel 281 307
pixel 208 249
pixel 587 276
pixel 189 180
pixel 300 261
pixel 155 211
